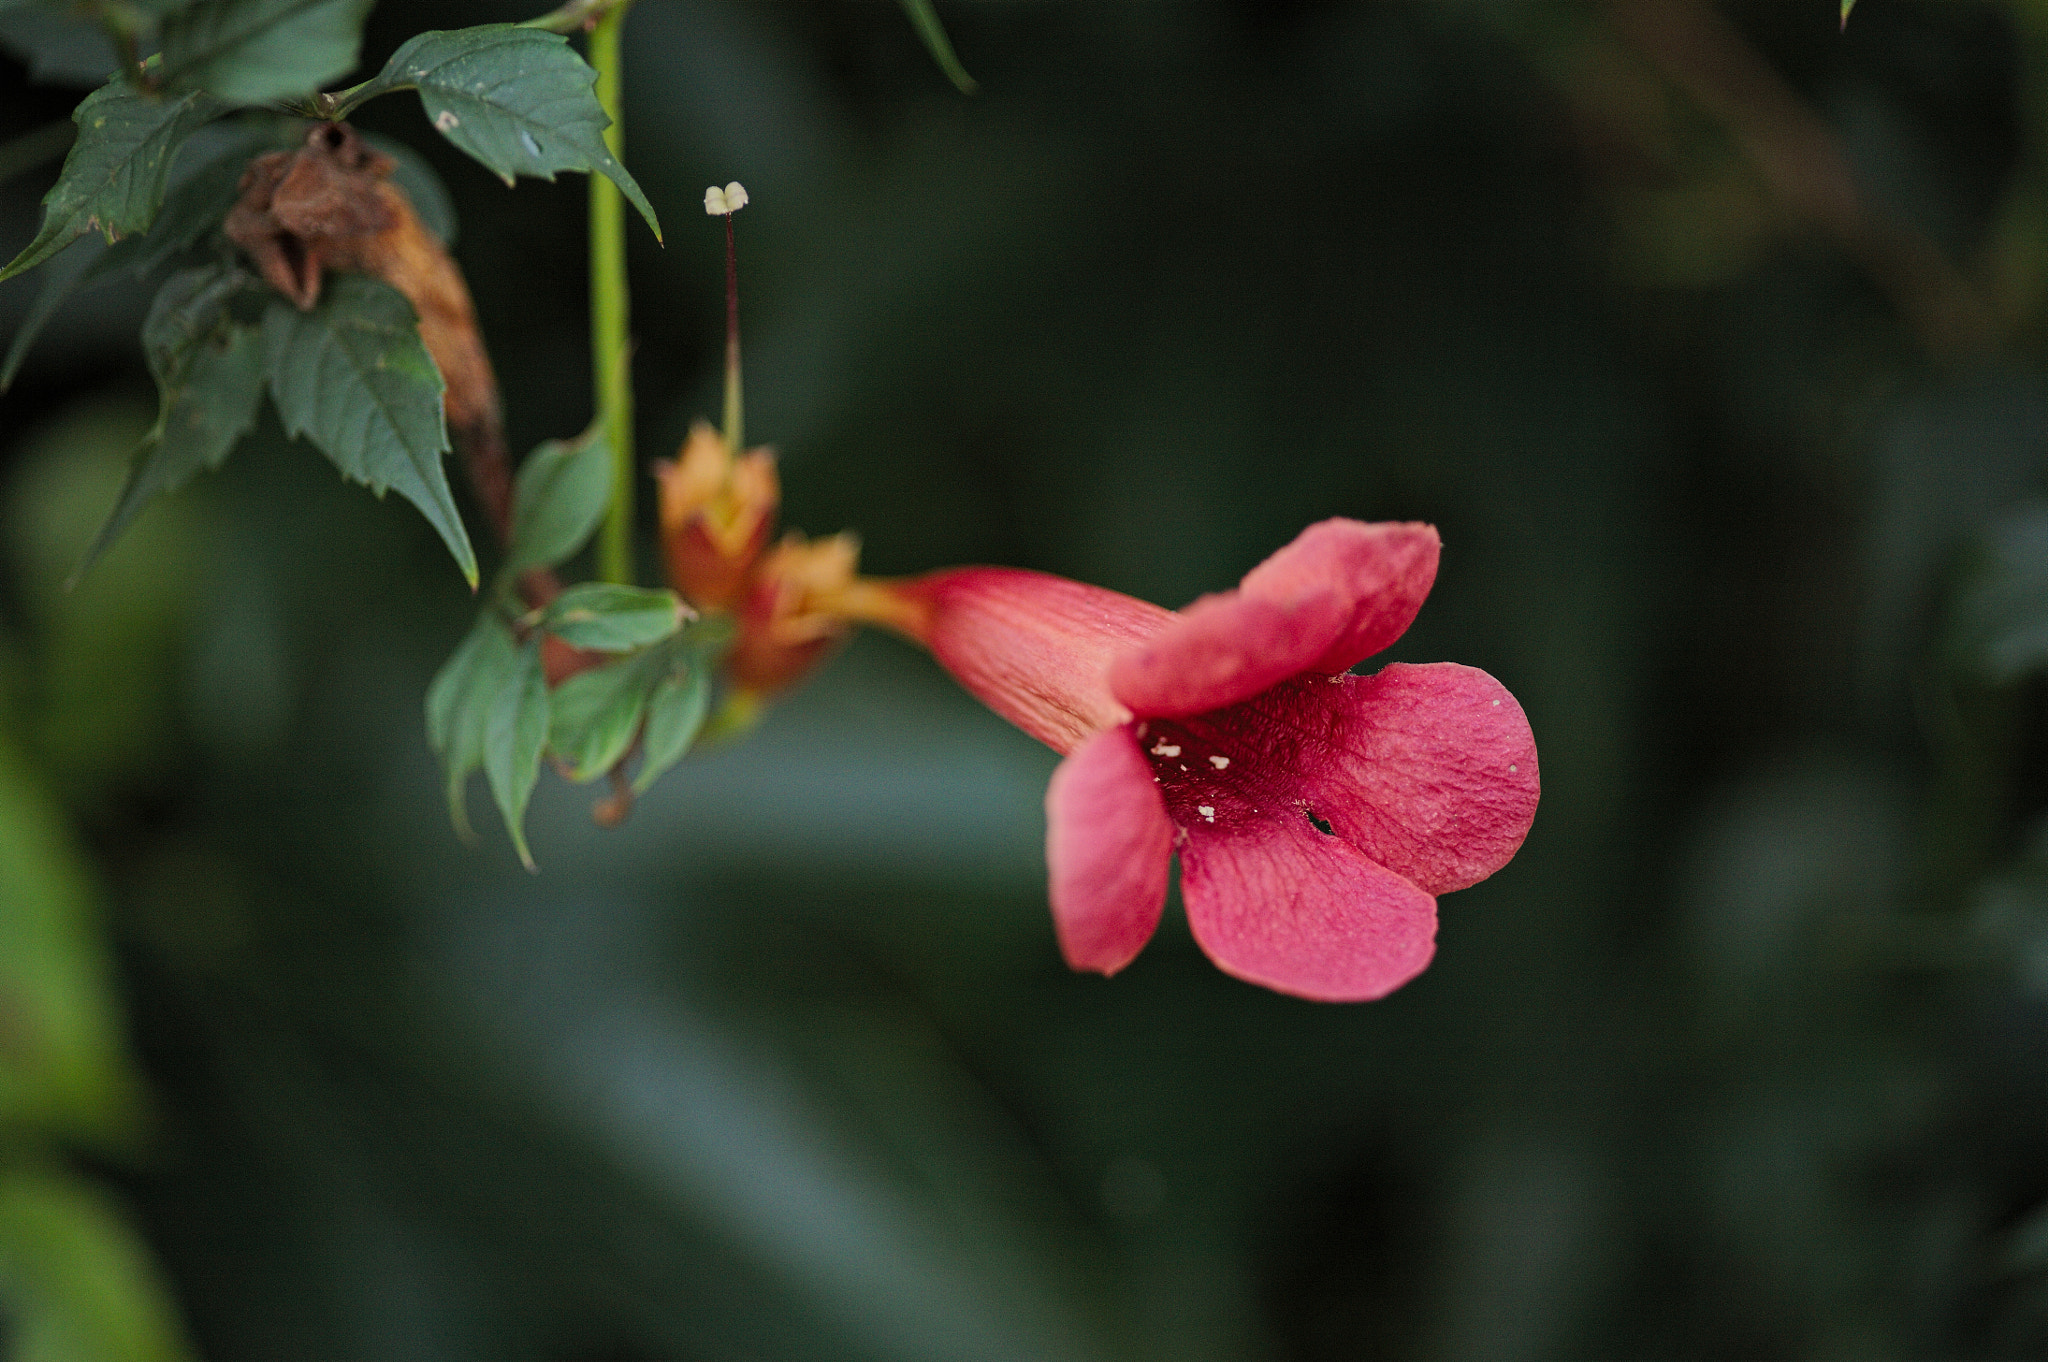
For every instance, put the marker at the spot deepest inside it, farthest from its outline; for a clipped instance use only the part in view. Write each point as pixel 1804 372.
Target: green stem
pixel 610 346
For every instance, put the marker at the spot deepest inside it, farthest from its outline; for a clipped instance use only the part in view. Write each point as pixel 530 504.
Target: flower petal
pixel 1278 903
pixel 1107 847
pixel 1380 572
pixel 1429 770
pixel 1223 649
pixel 1340 592
pixel 1032 647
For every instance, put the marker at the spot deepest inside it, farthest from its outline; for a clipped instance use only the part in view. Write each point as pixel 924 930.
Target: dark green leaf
pixel 517 99
pixel 675 716
pixel 209 375
pixel 459 704
pixel 925 20
pixel 513 740
pixel 200 195
pixel 564 487
pixel 353 377
pixel 613 619
pixel 595 714
pixel 113 181
pixel 194 206
pixel 258 51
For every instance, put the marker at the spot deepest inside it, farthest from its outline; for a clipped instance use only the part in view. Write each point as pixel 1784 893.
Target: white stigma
pixel 730 199
pixel 1220 763
pixel 1163 748
pixel 1207 811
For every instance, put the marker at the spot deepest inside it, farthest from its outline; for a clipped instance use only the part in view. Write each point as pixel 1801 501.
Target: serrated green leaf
pixel 113 181
pixel 199 198
pixel 562 492
pixel 613 619
pixel 459 704
pixel 209 375
pixel 925 20
pixel 513 740
pixel 353 377
pixel 194 206
pixel 259 51
pixel 517 99
pixel 675 716
pixel 594 714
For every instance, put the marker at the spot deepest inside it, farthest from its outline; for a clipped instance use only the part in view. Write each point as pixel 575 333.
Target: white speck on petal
pixel 1220 763
pixel 1496 704
pixel 1163 748
pixel 1207 811
pixel 445 120
pixel 1512 768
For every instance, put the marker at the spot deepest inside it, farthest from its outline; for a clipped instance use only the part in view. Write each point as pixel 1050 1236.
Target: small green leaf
pixel 113 181
pixel 925 20
pixel 353 377
pixel 675 716
pixel 1847 5
pixel 564 487
pixel 613 619
pixel 595 714
pixel 517 99
pixel 459 704
pixel 209 376
pixel 260 51
pixel 513 740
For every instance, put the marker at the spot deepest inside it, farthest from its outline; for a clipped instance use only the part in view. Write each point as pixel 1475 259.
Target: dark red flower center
pixel 1230 767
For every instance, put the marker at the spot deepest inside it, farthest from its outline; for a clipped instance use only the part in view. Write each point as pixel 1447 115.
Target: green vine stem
pixel 610 347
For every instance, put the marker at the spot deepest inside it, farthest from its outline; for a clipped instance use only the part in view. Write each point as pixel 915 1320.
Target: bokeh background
pixel 1709 336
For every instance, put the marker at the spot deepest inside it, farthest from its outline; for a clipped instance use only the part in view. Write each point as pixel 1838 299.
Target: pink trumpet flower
pixel 1317 814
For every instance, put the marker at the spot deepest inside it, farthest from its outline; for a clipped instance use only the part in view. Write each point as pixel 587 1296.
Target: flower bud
pixel 791 614
pixel 716 515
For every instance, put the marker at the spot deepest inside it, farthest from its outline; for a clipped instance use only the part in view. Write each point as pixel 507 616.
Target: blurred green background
pixel 1711 339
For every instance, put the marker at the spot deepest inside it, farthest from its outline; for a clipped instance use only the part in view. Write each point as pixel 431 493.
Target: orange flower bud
pixel 791 613
pixel 716 515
